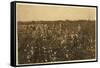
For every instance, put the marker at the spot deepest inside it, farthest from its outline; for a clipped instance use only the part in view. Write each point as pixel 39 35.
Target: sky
pixel 37 12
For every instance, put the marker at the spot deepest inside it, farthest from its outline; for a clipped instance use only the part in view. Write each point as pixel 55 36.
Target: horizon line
pixel 59 20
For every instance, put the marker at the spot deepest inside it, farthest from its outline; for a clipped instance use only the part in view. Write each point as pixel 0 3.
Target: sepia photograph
pixel 50 33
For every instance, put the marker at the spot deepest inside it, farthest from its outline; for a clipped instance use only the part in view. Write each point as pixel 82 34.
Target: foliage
pixel 51 41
